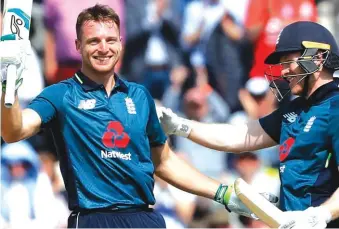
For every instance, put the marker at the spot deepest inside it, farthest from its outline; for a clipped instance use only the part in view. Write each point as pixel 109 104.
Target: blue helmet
pixel 314 42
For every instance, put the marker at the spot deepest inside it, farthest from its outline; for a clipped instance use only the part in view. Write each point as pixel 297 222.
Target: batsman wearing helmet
pixel 306 128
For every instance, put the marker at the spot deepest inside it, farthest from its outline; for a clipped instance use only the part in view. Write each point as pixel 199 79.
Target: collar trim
pixel 89 85
pixel 323 92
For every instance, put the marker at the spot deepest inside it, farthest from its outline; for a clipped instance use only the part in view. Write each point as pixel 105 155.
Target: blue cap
pixel 301 35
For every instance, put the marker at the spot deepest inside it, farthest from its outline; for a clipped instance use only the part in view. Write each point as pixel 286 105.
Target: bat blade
pixel 262 208
pixel 16 24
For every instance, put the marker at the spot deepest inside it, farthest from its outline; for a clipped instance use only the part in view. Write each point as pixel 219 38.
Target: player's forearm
pixel 11 120
pixel 333 205
pixel 229 138
pixel 223 137
pixel 180 174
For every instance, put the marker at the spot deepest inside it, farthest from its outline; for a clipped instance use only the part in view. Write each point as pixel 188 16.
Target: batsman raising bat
pixel 16 24
pixel 306 128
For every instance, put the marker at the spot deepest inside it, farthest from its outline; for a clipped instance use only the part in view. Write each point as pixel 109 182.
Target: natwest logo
pixel 115 154
pixel 115 136
pixel 285 148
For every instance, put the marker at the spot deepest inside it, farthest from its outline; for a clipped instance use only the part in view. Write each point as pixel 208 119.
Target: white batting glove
pixel 227 196
pixel 172 123
pixel 312 217
pixel 14 52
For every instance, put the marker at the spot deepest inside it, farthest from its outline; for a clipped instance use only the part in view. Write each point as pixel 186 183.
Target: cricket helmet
pixel 314 42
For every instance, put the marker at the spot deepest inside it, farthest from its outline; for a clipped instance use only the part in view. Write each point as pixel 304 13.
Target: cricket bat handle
pixel 10 86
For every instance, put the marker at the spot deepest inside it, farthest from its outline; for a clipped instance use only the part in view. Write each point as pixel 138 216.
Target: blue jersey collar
pixel 89 85
pixel 323 93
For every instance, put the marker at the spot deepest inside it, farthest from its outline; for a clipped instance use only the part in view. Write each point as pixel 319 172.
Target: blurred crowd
pixel 201 58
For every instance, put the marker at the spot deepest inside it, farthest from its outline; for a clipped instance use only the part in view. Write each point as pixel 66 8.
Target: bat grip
pixel 10 86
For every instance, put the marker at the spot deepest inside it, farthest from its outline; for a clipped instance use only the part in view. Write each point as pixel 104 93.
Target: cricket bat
pixel 262 208
pixel 16 24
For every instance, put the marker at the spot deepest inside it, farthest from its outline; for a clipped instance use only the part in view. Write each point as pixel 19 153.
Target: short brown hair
pixel 96 13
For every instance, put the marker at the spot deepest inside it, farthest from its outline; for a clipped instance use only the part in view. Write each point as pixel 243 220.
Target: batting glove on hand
pixel 227 196
pixel 14 52
pixel 312 217
pixel 173 124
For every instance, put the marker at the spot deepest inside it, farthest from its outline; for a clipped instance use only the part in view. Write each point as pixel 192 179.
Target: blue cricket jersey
pixel 308 133
pixel 103 142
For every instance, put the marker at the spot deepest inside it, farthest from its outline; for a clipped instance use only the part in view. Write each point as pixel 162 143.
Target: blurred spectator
pixel 152 48
pixel 175 205
pixel 252 223
pixel 256 98
pixel 238 10
pixel 249 167
pixel 217 218
pixel 200 18
pixel 61 60
pixel 266 18
pixel 172 95
pixel 51 167
pixel 27 199
pixel 228 59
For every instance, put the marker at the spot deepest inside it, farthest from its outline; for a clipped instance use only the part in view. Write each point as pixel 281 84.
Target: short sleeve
pixel 272 124
pixel 49 102
pixel 333 126
pixel 155 133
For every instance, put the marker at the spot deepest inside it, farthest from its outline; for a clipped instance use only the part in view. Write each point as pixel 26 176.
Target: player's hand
pixel 14 52
pixel 234 204
pixel 313 217
pixel 172 123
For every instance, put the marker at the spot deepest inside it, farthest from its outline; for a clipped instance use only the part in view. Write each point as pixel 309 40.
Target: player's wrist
pixel 223 195
pixel 183 128
pixel 325 213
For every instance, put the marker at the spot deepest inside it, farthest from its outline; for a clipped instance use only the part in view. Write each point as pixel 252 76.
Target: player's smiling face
pixel 100 45
pixel 292 72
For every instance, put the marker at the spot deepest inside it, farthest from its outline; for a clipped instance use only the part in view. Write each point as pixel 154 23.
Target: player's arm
pixel 224 137
pixel 332 205
pixel 176 171
pixel 229 138
pixel 169 167
pixel 17 124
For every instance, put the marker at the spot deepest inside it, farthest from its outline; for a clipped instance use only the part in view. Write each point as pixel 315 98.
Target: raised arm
pixel 17 124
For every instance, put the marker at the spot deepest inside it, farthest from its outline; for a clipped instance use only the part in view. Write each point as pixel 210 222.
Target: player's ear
pixel 77 45
pixel 320 59
pixel 120 45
